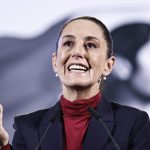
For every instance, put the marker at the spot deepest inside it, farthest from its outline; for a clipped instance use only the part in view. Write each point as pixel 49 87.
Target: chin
pixel 79 85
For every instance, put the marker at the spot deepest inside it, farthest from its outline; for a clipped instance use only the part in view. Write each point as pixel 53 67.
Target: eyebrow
pixel 88 38
pixel 68 36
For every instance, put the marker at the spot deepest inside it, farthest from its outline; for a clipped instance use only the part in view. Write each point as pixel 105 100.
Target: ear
pixel 54 58
pixel 109 65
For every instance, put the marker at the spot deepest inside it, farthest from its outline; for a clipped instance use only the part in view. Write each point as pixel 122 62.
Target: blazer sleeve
pixel 140 136
pixel 18 142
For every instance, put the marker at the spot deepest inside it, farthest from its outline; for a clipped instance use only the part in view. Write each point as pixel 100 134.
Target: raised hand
pixel 4 137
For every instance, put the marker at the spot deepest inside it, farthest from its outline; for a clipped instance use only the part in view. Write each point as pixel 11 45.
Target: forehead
pixel 82 27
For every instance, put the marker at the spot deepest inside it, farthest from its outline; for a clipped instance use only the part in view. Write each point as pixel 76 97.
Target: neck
pixel 74 93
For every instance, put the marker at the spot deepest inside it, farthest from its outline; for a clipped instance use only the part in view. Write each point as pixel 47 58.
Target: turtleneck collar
pixel 78 107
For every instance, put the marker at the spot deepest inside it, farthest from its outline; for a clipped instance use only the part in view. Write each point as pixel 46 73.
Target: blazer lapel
pixel 96 136
pixel 55 136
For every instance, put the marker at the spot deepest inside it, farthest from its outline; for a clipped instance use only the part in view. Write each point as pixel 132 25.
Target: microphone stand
pixel 97 116
pixel 53 118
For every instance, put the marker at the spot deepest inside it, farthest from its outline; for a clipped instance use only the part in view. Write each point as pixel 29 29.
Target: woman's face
pixel 81 58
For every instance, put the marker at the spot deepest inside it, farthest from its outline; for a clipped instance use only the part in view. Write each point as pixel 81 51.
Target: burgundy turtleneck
pixel 76 119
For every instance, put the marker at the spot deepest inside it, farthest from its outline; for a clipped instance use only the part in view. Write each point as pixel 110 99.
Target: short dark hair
pixel 106 33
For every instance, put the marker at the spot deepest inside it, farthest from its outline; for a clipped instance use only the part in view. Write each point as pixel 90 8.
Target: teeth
pixel 77 67
pixel 77 70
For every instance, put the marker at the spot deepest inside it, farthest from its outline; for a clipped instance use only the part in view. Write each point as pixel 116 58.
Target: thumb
pixel 1 115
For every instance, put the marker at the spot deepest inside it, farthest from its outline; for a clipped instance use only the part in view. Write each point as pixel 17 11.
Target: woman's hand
pixel 4 137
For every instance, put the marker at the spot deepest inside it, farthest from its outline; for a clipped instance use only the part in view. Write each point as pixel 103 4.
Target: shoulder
pixel 31 119
pixel 120 109
pixel 129 116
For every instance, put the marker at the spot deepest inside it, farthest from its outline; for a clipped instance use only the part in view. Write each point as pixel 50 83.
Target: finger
pixel 1 115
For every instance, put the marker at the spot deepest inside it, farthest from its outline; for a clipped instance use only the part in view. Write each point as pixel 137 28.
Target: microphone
pixel 98 117
pixel 52 119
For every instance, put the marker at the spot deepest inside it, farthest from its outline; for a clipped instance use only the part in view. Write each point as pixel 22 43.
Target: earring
pixel 56 75
pixel 104 78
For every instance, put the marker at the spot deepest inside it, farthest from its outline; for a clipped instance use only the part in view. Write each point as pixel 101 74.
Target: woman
pixel 82 62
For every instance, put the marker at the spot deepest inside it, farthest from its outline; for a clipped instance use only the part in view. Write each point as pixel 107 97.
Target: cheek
pixel 97 62
pixel 61 58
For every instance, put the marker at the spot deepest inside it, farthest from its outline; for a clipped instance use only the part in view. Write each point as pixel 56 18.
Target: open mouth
pixel 77 68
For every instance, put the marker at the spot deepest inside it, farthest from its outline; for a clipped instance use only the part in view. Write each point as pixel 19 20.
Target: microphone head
pixel 54 116
pixel 94 113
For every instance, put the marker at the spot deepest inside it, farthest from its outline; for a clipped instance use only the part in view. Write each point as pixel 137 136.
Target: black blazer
pixel 130 128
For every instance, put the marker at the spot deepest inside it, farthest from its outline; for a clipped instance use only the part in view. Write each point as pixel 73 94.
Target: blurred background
pixel 28 34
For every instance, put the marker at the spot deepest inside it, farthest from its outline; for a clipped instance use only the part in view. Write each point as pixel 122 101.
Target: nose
pixel 77 55
pixel 79 51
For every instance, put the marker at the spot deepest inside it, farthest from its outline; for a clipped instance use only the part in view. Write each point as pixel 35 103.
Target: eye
pixel 90 45
pixel 68 44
